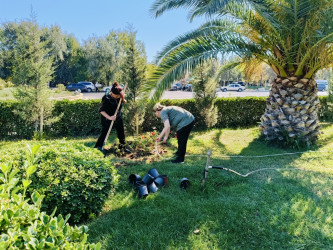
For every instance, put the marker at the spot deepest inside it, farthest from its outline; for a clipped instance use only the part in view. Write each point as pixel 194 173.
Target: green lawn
pixel 272 209
pixel 287 208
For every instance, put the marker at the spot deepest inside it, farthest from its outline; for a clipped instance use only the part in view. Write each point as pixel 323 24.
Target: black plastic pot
pixel 142 191
pixel 153 172
pixel 133 179
pixel 152 188
pixel 184 183
pixel 161 180
pixel 148 179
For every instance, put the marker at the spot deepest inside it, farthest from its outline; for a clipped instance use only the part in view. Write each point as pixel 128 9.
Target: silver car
pixel 234 86
pixel 90 86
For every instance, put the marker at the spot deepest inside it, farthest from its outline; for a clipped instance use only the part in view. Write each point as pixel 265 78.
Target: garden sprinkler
pixel 112 122
pixel 209 153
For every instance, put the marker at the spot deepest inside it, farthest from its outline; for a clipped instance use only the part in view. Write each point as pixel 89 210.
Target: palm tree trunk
pixel 291 111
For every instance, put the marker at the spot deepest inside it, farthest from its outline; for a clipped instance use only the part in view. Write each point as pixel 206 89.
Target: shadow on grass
pixel 271 209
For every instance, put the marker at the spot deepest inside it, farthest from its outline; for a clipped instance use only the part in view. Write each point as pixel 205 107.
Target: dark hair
pixel 117 90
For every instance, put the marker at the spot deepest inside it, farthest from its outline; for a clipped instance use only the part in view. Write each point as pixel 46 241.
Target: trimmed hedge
pixel 81 118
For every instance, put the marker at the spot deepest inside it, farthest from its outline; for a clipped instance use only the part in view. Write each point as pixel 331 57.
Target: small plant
pixel 61 87
pixel 23 225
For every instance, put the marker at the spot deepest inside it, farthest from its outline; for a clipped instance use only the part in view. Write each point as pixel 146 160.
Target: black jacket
pixel 109 105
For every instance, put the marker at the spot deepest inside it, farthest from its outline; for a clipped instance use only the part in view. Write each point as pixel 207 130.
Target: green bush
pixel 81 117
pixel 2 84
pixel 75 179
pixel 61 87
pixel 23 225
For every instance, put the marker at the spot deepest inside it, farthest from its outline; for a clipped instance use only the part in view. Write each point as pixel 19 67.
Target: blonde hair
pixel 158 107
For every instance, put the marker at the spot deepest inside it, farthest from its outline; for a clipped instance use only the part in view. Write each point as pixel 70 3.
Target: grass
pixel 272 209
pixel 287 208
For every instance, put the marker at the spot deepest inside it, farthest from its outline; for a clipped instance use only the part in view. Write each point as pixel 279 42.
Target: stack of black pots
pixel 150 183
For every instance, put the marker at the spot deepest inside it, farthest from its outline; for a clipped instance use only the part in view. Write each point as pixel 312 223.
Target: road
pixel 187 95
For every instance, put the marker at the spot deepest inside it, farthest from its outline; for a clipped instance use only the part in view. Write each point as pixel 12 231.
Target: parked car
pixel 188 87
pixel 322 87
pixel 76 87
pixel 90 86
pixel 241 83
pixel 176 86
pixel 234 87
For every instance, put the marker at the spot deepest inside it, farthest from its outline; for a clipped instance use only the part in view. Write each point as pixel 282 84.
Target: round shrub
pixel 23 225
pixel 74 178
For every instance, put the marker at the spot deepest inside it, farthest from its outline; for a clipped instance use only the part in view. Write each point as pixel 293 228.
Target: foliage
pixel 292 37
pixel 61 87
pixel 288 206
pixel 204 86
pixel 134 73
pixel 23 225
pixel 75 179
pixel 81 118
pixel 144 143
pixel 32 70
pixel 2 84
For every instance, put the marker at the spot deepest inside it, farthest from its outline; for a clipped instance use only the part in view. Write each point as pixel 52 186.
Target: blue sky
pixel 86 18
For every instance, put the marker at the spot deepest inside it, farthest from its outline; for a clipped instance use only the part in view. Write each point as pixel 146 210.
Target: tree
pixel 134 73
pixel 74 66
pixel 32 70
pixel 105 56
pixel 295 38
pixel 204 85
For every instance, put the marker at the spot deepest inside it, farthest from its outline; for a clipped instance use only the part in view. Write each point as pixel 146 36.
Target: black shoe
pixel 127 151
pixel 177 161
pixel 124 149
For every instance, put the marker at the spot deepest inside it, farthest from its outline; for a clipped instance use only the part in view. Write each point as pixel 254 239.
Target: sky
pixel 87 18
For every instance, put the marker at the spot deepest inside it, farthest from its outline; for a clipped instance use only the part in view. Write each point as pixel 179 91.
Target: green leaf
pixel 45 219
pixel 35 149
pixel 26 183
pixel 5 168
pixel 13 173
pixel 37 198
pixel 31 169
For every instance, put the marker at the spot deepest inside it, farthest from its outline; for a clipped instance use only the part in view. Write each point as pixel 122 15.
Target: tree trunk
pixel 291 111
pixel 41 120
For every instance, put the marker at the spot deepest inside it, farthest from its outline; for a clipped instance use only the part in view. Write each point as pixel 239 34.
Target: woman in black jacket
pixel 107 110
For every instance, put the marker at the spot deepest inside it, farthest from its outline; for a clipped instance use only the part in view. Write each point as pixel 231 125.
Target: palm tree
pixel 293 37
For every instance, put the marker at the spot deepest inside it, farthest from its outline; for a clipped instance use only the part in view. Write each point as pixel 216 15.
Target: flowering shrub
pixel 144 144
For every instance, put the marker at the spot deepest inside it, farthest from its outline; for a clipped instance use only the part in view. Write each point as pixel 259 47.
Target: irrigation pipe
pixel 112 122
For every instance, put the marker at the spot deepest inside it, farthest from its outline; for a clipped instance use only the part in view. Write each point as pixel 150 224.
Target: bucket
pixel 152 188
pixel 161 180
pixel 133 179
pixel 142 191
pixel 184 183
pixel 148 179
pixel 153 172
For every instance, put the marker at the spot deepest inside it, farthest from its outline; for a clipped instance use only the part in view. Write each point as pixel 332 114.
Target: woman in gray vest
pixel 183 120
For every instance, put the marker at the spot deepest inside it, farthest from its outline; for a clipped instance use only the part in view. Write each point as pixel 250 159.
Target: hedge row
pixel 81 118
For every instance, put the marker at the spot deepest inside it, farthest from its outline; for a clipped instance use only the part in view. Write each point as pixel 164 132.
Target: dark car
pixel 76 87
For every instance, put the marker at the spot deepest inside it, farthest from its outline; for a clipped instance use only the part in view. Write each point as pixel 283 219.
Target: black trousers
pixel 182 137
pixel 118 125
